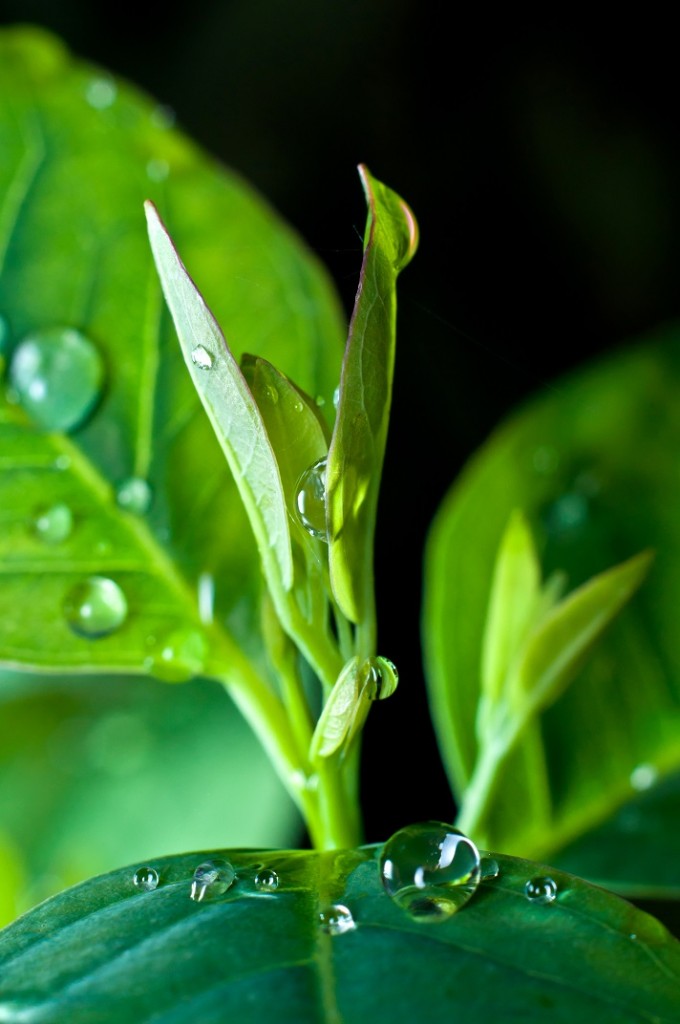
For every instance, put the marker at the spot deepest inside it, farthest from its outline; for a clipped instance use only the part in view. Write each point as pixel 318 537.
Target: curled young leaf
pixel 358 445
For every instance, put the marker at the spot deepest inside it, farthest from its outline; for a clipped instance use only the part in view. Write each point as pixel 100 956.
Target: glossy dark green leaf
pixel 107 951
pixel 594 465
pixel 79 152
pixel 92 775
pixel 357 449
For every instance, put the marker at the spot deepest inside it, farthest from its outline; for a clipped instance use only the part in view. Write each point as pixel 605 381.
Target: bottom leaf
pixel 314 937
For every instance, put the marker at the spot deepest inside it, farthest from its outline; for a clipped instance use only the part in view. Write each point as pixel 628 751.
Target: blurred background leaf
pixel 593 463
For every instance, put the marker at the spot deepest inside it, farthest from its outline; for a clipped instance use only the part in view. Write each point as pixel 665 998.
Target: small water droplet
pixel 489 868
pixel 266 880
pixel 57 375
pixel 271 394
pixel 201 357
pixel 146 878
pixel 101 93
pixel 336 398
pixel 134 495
pixel 320 401
pixel 212 878
pixel 310 500
pixel 336 920
pixel 54 524
pixel 430 869
pixel 157 170
pixel 643 777
pixel 206 598
pixel 181 657
pixel 633 936
pixel 540 890
pixel 568 514
pixel 385 677
pixel 95 607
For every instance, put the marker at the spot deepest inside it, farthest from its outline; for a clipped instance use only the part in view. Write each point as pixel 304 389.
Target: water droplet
pixel 266 880
pixel 271 393
pixel 134 495
pixel 54 524
pixel 643 777
pixel 201 357
pixel 146 878
pixel 336 920
pixel 181 657
pixel 540 890
pixel 336 398
pixel 489 868
pixel 212 878
pixel 310 501
pixel 568 514
pixel 320 401
pixel 62 462
pixel 57 375
pixel 385 676
pixel 206 598
pixel 157 170
pixel 101 93
pixel 95 607
pixel 430 869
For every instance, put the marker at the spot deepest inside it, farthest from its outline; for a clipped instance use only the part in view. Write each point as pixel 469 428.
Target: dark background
pixel 541 158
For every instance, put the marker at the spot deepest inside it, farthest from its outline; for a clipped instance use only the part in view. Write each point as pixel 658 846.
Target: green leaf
pixel 594 465
pixel 233 411
pixel 79 152
pixel 107 951
pixel 358 445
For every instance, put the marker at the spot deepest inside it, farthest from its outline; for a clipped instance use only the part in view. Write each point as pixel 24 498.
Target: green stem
pixel 486 776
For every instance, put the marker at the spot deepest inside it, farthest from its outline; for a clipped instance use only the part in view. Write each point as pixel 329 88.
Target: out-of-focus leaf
pixel 92 774
pixel 594 465
pixel 109 951
pixel 358 445
pixel 79 152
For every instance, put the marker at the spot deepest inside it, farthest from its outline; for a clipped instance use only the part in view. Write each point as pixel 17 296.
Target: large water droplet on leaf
pixel 95 607
pixel 54 524
pixel 201 357
pixel 134 495
pixel 57 375
pixel 212 878
pixel 430 869
pixel 310 500
pixel 540 890
pixel 336 920
pixel 146 879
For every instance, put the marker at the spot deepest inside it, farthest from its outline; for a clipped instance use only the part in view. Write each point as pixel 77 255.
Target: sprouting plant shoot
pixel 144 538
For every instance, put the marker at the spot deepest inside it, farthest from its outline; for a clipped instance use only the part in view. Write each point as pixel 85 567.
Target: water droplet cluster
pixel 430 870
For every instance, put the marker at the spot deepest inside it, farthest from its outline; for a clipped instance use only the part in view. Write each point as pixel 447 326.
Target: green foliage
pixel 592 463
pixel 108 951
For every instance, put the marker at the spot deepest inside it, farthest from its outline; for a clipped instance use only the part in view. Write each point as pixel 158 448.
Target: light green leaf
pixel 108 951
pixel 358 445
pixel 233 412
pixel 514 599
pixel 79 152
pixel 594 465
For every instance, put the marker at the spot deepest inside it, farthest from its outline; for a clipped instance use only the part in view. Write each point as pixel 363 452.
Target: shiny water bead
pixel 336 398
pixel 95 607
pixel 212 878
pixel 181 656
pixel 540 890
pixel 266 880
pixel 57 375
pixel 201 357
pixel 431 870
pixel 54 524
pixel 489 868
pixel 310 500
pixel 384 677
pixel 134 495
pixel 146 879
pixel 101 93
pixel 336 920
